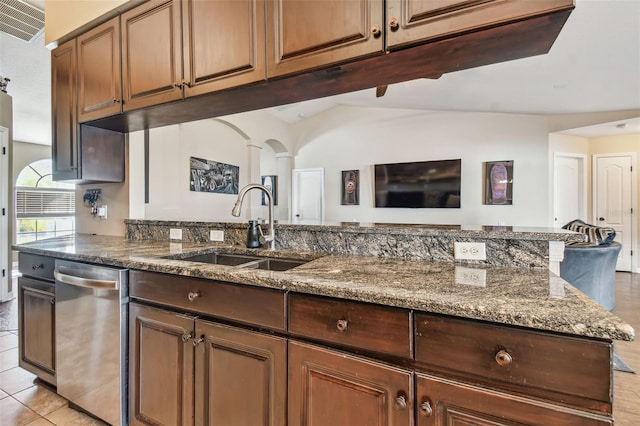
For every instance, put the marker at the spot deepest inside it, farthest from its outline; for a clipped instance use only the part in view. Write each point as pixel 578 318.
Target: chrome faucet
pixel 271 236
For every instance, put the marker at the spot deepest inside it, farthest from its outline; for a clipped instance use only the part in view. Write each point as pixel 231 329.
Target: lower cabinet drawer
pixel 250 305
pixel 359 325
pixel 35 265
pixel 567 365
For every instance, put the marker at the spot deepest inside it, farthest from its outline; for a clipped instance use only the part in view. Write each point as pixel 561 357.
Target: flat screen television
pixel 423 184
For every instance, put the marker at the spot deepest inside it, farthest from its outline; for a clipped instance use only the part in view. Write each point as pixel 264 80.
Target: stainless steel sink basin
pixel 273 264
pixel 222 258
pixel 245 261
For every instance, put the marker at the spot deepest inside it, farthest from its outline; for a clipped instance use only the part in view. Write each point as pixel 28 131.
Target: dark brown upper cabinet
pixel 223 44
pixel 80 153
pixel 304 35
pixel 64 143
pixel 99 77
pixel 151 54
pixel 411 22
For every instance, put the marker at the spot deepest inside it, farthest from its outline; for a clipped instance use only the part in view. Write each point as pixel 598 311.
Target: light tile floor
pixel 23 402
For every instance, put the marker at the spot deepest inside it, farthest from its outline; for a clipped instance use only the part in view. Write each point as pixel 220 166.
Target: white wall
pixel 357 138
pixel 169 173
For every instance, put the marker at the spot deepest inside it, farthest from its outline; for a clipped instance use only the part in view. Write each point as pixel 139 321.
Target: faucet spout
pixel 271 236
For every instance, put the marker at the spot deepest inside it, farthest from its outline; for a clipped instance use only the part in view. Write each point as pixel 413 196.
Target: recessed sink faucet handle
pixel 271 236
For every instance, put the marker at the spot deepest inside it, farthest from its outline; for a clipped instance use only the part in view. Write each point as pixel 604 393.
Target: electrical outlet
pixel 216 235
pixel 471 276
pixel 175 234
pixel 469 251
pixel 102 212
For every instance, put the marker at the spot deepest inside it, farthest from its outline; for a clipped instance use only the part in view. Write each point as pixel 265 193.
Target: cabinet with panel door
pixel 99 81
pixel 175 49
pixel 36 316
pixel 343 362
pixel 303 36
pixel 184 368
pixel 412 22
pixel 80 153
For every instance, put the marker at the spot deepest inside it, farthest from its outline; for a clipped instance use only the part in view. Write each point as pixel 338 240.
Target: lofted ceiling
pixel 594 66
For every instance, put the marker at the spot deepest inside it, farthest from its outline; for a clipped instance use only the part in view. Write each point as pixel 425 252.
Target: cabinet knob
pixel 601 219
pixel 393 24
pixel 375 31
pixel 116 100
pixel 186 83
pixel 425 409
pixel 401 402
pixel 193 295
pixel 341 325
pixel 34 266
pixel 53 301
pixel 177 85
pixel 186 337
pixel 198 341
pixel 503 358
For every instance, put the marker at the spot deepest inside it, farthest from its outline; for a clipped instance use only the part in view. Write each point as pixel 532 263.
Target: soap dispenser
pixel 253 234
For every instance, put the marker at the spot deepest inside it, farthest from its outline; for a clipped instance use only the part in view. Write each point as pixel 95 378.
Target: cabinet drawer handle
pixel 425 409
pixel 341 325
pixel 401 402
pixel 503 358
pixel 193 295
pixel 375 31
pixel 393 23
pixel 34 266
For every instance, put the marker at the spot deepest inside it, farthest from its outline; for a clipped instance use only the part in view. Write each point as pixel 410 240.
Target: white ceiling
pixel 594 66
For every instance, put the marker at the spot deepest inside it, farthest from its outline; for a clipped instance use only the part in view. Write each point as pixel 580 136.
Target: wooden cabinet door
pixel 151 54
pixel 99 89
pixel 241 377
pixel 412 21
pixel 302 35
pixel 446 402
pixel 224 44
pixel 160 367
pixel 328 387
pixel 37 328
pixel 64 123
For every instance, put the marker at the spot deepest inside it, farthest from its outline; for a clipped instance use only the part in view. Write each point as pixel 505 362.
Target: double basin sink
pixel 246 261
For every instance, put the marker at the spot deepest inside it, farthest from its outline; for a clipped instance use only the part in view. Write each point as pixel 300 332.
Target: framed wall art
pixel 350 188
pixel 271 183
pixel 498 183
pixel 212 176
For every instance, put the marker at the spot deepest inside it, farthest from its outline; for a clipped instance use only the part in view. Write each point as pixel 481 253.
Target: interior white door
pixel 308 195
pixel 612 201
pixel 6 286
pixel 569 188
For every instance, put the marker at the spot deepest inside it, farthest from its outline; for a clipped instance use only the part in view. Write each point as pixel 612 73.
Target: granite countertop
pixel 532 298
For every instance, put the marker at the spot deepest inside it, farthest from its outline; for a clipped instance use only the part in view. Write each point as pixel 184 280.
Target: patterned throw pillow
pixel 596 235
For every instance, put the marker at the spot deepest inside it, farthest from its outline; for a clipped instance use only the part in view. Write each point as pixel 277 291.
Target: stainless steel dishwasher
pixel 91 338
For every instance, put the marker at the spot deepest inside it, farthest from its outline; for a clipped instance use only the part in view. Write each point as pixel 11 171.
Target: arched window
pixel 44 208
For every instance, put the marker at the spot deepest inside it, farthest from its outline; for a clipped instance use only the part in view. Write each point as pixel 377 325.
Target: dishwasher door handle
pixel 85 282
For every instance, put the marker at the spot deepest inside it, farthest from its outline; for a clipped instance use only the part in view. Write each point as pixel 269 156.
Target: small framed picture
pixel 350 188
pixel 271 183
pixel 498 183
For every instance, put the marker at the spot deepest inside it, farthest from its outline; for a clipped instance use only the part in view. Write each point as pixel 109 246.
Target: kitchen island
pixel 407 341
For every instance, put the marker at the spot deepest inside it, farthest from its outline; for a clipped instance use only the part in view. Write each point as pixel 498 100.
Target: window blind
pixel 34 203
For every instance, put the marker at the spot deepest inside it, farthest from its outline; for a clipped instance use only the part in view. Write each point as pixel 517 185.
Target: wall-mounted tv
pixel 424 184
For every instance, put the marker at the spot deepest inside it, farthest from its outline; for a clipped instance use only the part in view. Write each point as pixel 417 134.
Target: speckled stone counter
pixel 526 297
pixel 505 245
